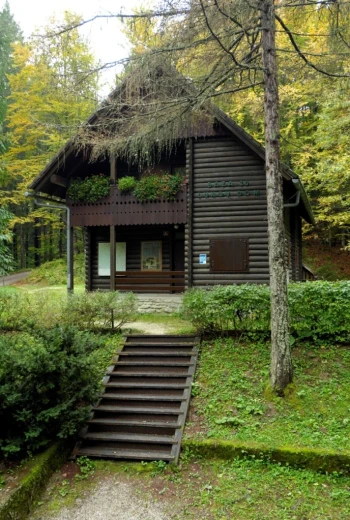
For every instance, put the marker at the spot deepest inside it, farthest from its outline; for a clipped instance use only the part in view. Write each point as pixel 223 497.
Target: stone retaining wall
pixel 158 303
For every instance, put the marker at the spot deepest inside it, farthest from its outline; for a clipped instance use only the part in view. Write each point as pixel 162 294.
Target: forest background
pixel 50 84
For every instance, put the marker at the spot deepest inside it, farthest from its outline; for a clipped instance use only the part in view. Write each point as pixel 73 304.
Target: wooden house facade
pixel 214 232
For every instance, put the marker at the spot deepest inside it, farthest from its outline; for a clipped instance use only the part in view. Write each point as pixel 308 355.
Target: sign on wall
pixel 215 189
pixel 202 258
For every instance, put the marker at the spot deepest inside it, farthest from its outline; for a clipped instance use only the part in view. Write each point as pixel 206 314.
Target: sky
pixel 105 36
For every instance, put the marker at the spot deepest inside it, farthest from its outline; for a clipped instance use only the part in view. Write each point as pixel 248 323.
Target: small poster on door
pixel 202 258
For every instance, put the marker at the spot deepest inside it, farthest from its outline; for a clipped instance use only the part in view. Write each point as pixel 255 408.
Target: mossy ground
pixel 212 490
pixel 230 400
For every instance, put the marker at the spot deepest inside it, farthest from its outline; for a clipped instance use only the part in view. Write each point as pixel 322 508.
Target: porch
pixel 142 259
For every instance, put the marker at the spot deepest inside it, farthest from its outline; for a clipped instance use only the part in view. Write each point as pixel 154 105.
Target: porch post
pixel 70 253
pixel 113 177
pixel 113 168
pixel 112 257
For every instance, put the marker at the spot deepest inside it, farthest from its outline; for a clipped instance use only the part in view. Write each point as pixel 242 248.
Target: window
pixel 104 268
pixel 151 256
pixel 229 255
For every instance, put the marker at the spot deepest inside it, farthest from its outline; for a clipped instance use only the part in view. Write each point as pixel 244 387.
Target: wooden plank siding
pixel 232 213
pixel 236 216
pixel 133 236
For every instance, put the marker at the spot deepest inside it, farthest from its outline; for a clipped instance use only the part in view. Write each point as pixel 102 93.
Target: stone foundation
pixel 158 303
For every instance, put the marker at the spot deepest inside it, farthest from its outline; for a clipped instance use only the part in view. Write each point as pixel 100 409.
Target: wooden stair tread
pixel 146 344
pixel 170 386
pixel 149 374
pixel 178 353
pixel 128 422
pixel 156 363
pixel 139 397
pixel 125 454
pixel 131 437
pixel 136 409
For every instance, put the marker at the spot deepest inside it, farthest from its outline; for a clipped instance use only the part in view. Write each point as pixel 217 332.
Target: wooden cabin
pixel 214 232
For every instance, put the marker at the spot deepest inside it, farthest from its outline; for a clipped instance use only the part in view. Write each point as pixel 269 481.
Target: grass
pixel 231 402
pixel 177 324
pixel 55 272
pixel 215 490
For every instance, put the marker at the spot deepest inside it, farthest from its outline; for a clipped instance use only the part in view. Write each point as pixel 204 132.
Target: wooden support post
pixel 70 259
pixel 113 168
pixel 112 257
pixel 88 259
pixel 190 216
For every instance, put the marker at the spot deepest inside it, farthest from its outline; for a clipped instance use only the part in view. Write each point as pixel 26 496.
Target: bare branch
pixel 120 16
pixel 303 56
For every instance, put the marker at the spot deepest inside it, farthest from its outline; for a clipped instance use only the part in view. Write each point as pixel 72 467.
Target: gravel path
pixel 112 500
pixel 13 278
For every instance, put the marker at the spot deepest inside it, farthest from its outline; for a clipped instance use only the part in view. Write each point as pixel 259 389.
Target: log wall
pixel 236 208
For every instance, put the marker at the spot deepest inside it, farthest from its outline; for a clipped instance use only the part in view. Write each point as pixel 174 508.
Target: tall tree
pixel 52 92
pixel 9 34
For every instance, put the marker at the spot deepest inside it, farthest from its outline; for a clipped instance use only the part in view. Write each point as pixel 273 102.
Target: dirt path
pixel 13 278
pixel 112 500
pixel 149 328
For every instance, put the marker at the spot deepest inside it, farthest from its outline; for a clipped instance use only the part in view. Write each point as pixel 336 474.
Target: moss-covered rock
pixel 325 461
pixel 19 502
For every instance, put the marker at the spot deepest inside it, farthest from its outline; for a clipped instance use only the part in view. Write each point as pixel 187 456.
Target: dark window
pixel 229 255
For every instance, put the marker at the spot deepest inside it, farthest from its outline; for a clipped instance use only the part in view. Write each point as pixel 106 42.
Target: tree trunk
pixel 281 372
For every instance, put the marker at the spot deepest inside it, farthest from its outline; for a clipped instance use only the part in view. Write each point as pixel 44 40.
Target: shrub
pixel 90 311
pixel 90 189
pixel 45 309
pixel 318 310
pixel 154 187
pixel 48 381
pixel 171 185
pixel 127 184
pixel 233 307
pixel 26 311
pixel 148 188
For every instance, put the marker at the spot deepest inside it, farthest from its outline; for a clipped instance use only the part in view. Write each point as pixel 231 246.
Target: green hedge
pixel 48 381
pixel 45 309
pixel 318 310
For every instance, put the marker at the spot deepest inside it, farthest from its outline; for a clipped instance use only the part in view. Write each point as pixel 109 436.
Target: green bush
pixel 127 184
pixel 55 272
pixel 154 187
pixel 26 311
pixel 45 309
pixel 91 311
pixel 148 188
pixel 318 310
pixel 90 189
pixel 48 381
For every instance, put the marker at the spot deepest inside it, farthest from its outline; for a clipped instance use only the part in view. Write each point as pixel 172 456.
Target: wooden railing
pixel 126 210
pixel 150 281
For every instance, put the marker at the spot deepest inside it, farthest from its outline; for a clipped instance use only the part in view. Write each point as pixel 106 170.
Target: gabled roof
pixel 68 153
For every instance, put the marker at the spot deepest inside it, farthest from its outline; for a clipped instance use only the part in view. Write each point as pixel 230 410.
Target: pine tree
pixel 9 34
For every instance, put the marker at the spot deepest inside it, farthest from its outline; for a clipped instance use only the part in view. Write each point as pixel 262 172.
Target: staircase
pixel 142 411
